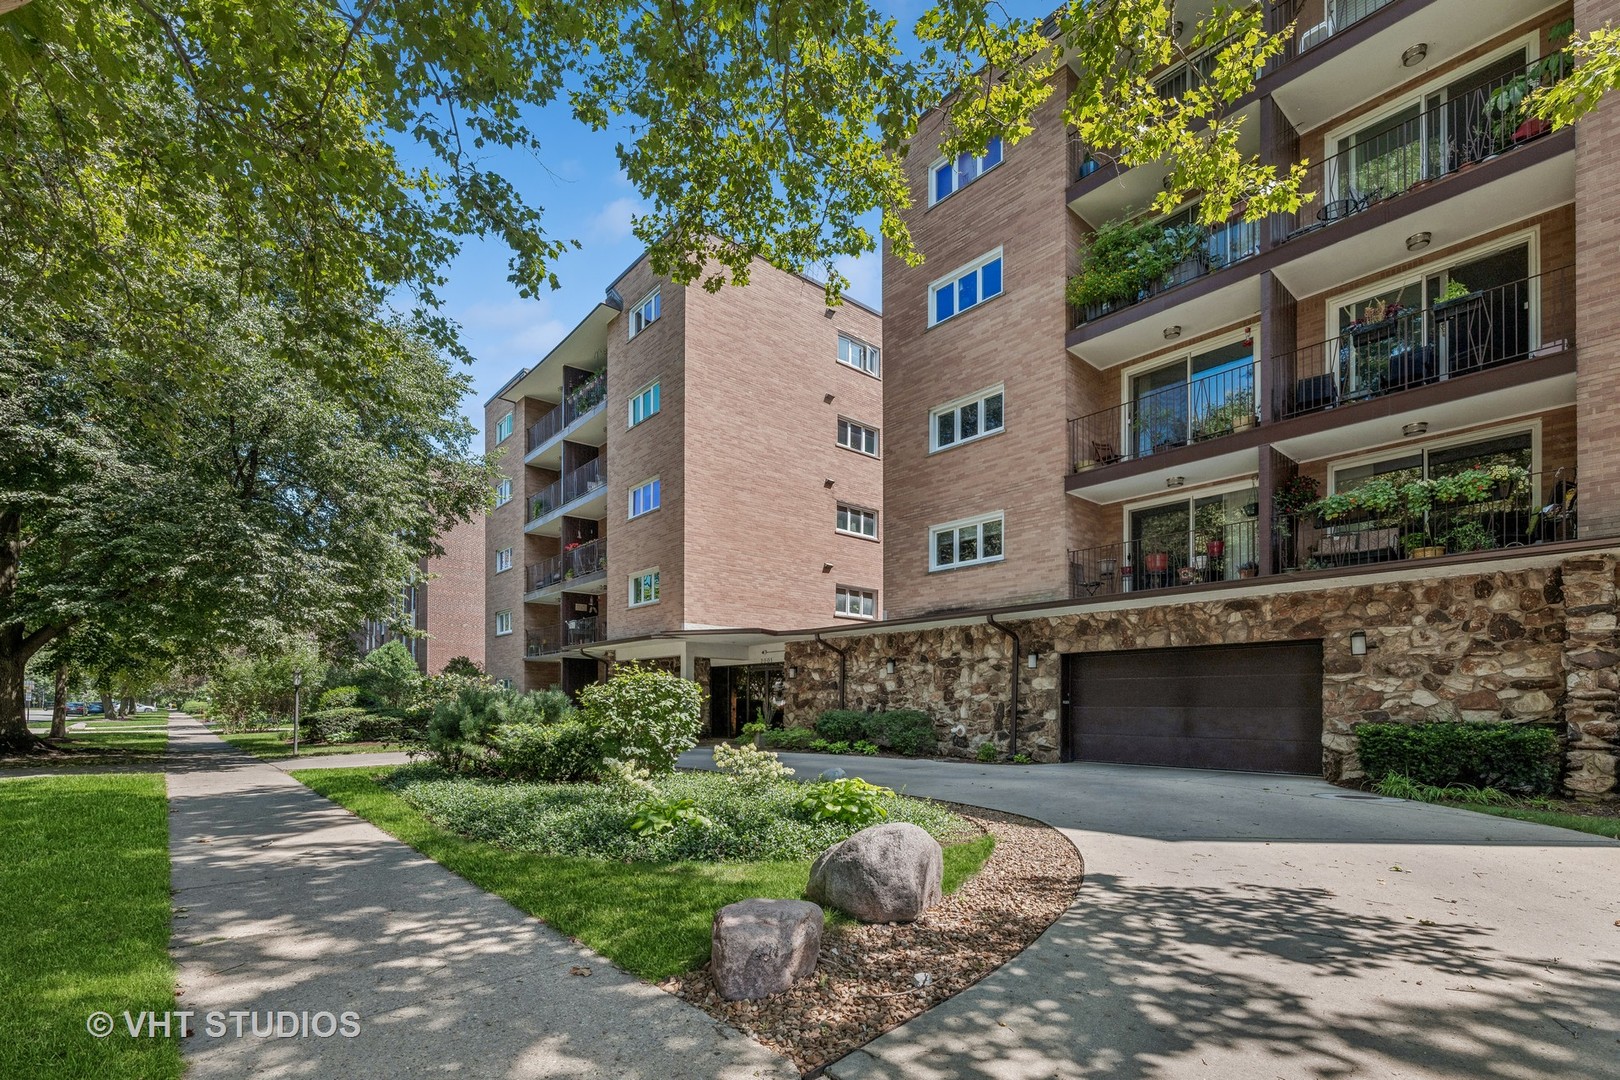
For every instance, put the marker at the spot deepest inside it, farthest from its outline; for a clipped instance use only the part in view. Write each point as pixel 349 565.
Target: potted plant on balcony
pixel 1157 562
pixel 1420 545
pixel 1248 569
pixel 1124 260
pixel 1295 494
pixel 1470 536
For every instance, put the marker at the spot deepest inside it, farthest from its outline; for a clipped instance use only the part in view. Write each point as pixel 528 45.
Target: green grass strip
pixel 84 868
pixel 1598 826
pixel 277 745
pixel 651 919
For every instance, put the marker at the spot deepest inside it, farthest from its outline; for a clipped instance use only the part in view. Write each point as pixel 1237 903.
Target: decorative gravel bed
pixel 868 976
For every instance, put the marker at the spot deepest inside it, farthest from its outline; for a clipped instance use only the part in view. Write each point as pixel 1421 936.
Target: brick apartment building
pixel 1091 551
pixel 684 465
pixel 447 609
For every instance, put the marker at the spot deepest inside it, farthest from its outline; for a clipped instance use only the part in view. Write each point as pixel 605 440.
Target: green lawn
pixel 107 742
pixel 277 745
pixel 1599 825
pixel 84 866
pixel 652 919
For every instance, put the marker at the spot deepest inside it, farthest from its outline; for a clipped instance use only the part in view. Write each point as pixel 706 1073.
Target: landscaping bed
pixel 867 979
pixel 276 745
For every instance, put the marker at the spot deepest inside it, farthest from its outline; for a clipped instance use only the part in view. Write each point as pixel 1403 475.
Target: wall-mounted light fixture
pixel 888 666
pixel 1171 333
pixel 1414 55
pixel 793 672
pixel 1034 660
pixel 826 568
pixel 1358 643
pixel 1418 241
pixel 1416 428
pixel 1174 481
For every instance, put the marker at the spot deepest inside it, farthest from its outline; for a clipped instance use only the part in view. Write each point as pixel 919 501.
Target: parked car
pixel 94 708
pixel 145 708
pixel 75 708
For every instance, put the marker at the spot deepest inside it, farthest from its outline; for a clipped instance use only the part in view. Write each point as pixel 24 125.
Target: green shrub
pixel 835 748
pixel 194 706
pixel 356 724
pixel 657 816
pixel 1022 759
pixel 388 676
pixel 462 667
pixel 861 746
pixel 749 767
pixel 645 717
pixel 986 751
pixel 339 697
pixel 790 738
pixel 842 725
pixel 557 753
pixel 1401 787
pixel 905 731
pixel 461 729
pixel 851 801
pixel 1508 757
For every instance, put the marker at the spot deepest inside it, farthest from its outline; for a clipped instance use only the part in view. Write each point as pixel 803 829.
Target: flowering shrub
pixel 644 717
pixel 748 766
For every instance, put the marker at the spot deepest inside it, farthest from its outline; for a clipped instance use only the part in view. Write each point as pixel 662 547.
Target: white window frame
pixel 1185 496
pixel 1531 426
pixel 849 509
pixel 979 169
pixel 503 555
pixel 855 592
pixel 503 428
pixel 872 353
pixel 638 313
pixel 976 400
pixel 657 393
pixel 503 491
pixel 503 617
pixel 950 280
pixel 980 520
pixel 630 501
pixel 856 425
pixel 657 588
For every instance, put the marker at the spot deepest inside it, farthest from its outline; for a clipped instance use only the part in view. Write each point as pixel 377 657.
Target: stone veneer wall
pixel 1533 644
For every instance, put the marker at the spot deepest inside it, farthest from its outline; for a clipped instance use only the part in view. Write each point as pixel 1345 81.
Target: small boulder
pixel 763 947
pixel 886 873
pixel 834 773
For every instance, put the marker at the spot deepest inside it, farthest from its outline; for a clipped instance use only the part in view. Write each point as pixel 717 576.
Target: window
pixel 965 543
pixel 968 287
pixel 967 419
pixel 503 428
pixel 857 522
pixel 503 560
pixel 950 176
pixel 1427 463
pixel 503 623
pixel 503 491
pixel 644 405
pixel 644 314
pixel 644 588
pixel 1208 537
pixel 1196 396
pixel 855 603
pixel 853 436
pixel 646 498
pixel 858 355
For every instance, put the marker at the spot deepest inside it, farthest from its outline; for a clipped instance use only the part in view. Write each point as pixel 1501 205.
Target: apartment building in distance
pixel 1097 539
pixel 446 608
pixel 682 467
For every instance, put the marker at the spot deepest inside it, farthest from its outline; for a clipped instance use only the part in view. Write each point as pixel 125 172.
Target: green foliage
pixel 1295 494
pixel 905 731
pixel 340 697
pixel 1413 499
pixel 1397 786
pixel 194 706
pixel 559 751
pixel 1510 757
pixel 1022 759
pixel 356 723
pixel 657 816
pixel 247 687
pixel 841 724
pixel 1414 540
pixel 1126 258
pixel 462 667
pixel 1455 290
pixel 790 738
pixel 1470 536
pixel 388 676
pixel 749 767
pixel 862 746
pixel 987 752
pixel 850 801
pixel 644 716
pixel 753 728
pixel 462 730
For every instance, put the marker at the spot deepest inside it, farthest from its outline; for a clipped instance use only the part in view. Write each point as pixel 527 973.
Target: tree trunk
pixel 14 733
pixel 109 707
pixel 59 704
pixel 126 708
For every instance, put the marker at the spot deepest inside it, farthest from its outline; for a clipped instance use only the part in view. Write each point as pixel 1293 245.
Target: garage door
pixel 1255 708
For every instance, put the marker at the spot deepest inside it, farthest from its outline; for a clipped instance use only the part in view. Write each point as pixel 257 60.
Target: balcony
pixel 1210 407
pixel 1225 552
pixel 1431 345
pixel 582 493
pixel 1315 22
pixel 581 405
pixel 570 634
pixel 582 568
pixel 1223 246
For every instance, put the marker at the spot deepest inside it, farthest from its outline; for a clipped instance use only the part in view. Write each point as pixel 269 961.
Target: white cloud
pixel 612 223
pixel 511 333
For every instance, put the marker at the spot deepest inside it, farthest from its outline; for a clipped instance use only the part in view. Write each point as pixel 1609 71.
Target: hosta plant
pixel 851 801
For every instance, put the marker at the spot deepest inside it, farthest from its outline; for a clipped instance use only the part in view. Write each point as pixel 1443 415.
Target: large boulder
pixel 887 873
pixel 763 947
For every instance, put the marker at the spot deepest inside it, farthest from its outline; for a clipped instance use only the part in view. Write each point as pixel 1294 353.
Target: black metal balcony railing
pixel 576 563
pixel 578 402
pixel 1435 143
pixel 1541 511
pixel 569 634
pixel 1225 553
pixel 1315 21
pixel 1530 317
pixel 1223 245
pixel 1205 408
pixel 583 481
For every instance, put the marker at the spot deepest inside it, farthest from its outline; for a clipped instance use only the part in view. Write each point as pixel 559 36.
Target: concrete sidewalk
pixel 287 902
pixel 1235 926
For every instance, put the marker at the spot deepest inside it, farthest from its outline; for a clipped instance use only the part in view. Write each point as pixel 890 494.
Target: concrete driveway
pixel 1237 925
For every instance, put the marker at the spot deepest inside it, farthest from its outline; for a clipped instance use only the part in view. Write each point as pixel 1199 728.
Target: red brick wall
pixel 454 597
pixel 1597 292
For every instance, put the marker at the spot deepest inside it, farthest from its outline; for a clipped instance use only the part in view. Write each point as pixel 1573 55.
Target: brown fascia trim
pixel 1501 377
pixel 507 385
pixel 1488 171
pixel 1267 84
